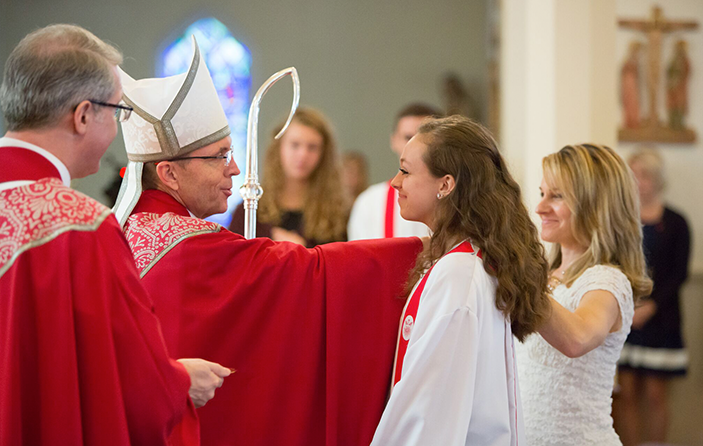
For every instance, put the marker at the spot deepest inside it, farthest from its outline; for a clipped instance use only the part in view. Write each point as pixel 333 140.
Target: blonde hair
pixel 653 164
pixel 326 208
pixel 486 207
pixel 601 192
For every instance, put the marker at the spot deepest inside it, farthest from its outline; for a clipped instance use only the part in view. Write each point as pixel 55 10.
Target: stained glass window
pixel 229 62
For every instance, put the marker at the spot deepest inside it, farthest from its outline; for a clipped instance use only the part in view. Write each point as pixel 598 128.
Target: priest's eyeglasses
pixel 122 111
pixel 228 157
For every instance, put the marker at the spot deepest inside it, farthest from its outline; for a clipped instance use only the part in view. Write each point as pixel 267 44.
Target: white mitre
pixel 172 117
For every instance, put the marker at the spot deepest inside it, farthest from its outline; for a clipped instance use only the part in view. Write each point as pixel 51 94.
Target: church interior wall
pixel 359 62
pixel 683 162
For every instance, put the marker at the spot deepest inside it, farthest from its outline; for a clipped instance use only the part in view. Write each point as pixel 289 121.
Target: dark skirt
pixel 654 352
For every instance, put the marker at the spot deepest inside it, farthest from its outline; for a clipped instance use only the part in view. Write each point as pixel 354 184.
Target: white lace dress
pixel 568 401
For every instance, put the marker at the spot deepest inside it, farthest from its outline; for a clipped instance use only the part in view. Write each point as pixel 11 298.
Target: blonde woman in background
pixel 304 201
pixel 654 351
pixel 590 212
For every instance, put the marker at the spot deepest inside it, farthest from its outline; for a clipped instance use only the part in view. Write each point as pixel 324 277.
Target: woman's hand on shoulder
pixel 575 334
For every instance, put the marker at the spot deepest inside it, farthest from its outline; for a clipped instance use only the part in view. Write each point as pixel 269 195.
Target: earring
pixel 439 196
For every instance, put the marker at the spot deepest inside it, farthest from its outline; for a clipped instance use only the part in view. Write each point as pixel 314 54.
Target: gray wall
pixel 359 61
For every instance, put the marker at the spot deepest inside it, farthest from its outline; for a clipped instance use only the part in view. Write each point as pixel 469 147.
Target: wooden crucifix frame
pixel 651 128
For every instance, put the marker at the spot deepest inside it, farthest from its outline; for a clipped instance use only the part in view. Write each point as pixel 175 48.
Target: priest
pixel 311 332
pixel 82 357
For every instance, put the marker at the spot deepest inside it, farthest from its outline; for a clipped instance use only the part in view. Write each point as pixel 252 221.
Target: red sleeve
pixel 364 284
pixel 311 332
pixel 83 360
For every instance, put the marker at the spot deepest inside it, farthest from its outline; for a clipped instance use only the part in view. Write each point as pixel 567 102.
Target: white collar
pixel 61 167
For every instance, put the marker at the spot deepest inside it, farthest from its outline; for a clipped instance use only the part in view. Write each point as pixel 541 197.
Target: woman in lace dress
pixel 482 279
pixel 590 212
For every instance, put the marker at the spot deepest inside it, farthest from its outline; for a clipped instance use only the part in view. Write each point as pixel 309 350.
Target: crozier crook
pixel 251 190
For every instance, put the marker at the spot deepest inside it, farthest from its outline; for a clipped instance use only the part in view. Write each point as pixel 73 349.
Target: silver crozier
pixel 251 189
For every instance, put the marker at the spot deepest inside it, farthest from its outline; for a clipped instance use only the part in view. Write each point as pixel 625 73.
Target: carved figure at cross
pixel 654 29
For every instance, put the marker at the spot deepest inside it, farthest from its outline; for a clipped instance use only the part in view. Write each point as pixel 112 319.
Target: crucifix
pixel 654 29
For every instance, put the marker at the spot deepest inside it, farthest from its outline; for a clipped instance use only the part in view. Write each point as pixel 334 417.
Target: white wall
pixel 359 61
pixel 684 162
pixel 557 79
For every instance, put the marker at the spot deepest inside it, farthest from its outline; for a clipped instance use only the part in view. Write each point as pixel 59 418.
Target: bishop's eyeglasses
pixel 227 156
pixel 122 110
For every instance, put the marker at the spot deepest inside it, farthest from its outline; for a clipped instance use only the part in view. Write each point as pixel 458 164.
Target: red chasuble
pixel 311 332
pixel 82 358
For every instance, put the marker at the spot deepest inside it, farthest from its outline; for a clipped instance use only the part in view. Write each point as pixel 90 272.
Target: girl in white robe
pixel 482 279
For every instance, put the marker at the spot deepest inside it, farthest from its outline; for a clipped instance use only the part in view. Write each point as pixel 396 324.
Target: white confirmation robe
pixel 458 382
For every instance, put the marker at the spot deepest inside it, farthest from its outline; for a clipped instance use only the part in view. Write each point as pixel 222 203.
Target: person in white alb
pixel 590 211
pixel 375 213
pixel 455 380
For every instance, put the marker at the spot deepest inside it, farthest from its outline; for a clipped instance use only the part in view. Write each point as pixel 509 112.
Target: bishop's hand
pixel 205 377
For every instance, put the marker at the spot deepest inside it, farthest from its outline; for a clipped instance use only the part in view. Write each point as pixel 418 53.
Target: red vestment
pixel 311 332
pixel 82 358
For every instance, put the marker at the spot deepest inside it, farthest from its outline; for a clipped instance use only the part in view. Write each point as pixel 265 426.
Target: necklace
pixel 554 282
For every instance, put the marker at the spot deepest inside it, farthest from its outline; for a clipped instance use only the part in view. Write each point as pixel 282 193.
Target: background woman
pixel 590 211
pixel 455 380
pixel 654 350
pixel 303 199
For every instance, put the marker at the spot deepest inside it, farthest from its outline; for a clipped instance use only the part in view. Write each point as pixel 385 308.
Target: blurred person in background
pixel 654 351
pixel 303 201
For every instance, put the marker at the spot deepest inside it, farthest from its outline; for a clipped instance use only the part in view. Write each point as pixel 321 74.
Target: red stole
pixel 390 211
pixel 410 313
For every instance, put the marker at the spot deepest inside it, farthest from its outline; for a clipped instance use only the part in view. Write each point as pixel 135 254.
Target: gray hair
pixel 653 164
pixel 51 71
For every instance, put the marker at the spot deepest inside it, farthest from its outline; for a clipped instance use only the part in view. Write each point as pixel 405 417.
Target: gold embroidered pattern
pixel 35 214
pixel 152 236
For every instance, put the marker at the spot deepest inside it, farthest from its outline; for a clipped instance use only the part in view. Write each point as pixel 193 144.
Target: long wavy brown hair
pixel 601 192
pixel 486 207
pixel 326 208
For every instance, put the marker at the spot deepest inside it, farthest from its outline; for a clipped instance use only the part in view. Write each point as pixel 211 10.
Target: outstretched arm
pixel 575 334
